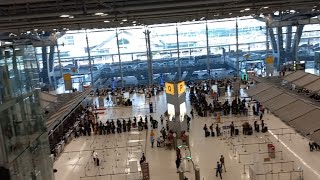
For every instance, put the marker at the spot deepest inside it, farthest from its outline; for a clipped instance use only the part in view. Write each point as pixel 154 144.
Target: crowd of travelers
pixel 142 89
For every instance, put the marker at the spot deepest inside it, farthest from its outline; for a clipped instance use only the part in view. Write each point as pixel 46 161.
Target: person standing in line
pixel 192 115
pixel 152 138
pixel 143 158
pixel 261 116
pixel 161 119
pixel 222 163
pixel 218 170
pixel 232 128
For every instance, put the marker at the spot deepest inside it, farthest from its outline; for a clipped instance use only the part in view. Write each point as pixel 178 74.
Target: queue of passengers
pixel 142 89
pixel 117 126
pixel 204 109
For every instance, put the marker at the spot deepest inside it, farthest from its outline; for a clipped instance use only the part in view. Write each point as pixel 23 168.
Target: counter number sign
pixel 169 88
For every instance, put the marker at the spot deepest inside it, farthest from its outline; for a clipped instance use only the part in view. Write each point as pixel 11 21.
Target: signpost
pixel 67 81
pixel 269 66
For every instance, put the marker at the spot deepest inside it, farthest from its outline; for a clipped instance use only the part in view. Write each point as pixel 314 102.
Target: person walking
pixel 95 157
pixel 178 162
pixel 152 138
pixel 222 163
pixel 218 170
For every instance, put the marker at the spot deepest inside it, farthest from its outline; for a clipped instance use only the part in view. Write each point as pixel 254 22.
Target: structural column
pixel 178 51
pixel 208 52
pixel 59 59
pixel 176 99
pixel 237 48
pixel 289 38
pixel 280 47
pixel 89 57
pixel 296 41
pixel 149 56
pixel 273 40
pixel 120 63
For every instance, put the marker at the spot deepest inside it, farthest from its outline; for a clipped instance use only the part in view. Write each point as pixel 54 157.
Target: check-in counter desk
pixel 59 148
pixel 68 136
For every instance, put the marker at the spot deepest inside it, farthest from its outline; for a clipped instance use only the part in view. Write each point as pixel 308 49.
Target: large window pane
pixel 163 41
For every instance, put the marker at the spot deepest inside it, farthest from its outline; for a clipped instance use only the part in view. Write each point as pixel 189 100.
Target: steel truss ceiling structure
pixel 26 15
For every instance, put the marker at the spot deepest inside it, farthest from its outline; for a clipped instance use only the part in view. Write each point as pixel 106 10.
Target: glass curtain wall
pixel 133 55
pixel 252 45
pixel 24 144
pixel 193 50
pixel 73 53
pixel 163 42
pixel 104 56
pixel 222 47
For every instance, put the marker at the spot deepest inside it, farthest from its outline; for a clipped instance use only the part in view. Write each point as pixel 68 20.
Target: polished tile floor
pixel 120 153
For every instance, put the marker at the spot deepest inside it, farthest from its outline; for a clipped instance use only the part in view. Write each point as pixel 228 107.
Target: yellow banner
pixel 181 87
pixel 169 88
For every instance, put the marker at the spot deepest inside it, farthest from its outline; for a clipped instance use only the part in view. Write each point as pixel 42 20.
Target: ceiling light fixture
pixel 71 17
pixel 104 14
pixel 230 13
pixel 247 9
pixel 121 22
pixel 98 13
pixel 106 21
pixel 241 10
pixel 134 21
pixel 266 7
pixel 216 15
pixel 64 15
pixel 202 18
pixel 124 20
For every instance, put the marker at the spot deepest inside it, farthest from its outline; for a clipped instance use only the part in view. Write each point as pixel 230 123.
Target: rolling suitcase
pixel 98 161
pixel 207 133
pixel 212 134
pixel 237 132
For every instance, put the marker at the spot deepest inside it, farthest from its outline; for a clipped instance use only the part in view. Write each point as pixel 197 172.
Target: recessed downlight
pixel 98 13
pixel 65 16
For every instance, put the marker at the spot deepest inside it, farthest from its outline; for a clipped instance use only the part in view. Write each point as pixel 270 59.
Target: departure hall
pixel 159 90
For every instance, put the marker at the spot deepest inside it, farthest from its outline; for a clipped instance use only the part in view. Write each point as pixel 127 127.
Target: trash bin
pixel 151 107
pixel 271 151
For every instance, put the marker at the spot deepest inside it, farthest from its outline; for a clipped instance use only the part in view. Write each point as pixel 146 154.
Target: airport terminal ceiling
pixel 19 16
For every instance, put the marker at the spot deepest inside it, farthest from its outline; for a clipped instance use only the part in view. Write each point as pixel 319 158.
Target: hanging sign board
pixel 169 88
pixel 181 87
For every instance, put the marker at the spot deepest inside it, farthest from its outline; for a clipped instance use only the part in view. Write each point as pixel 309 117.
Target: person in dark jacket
pixel 218 169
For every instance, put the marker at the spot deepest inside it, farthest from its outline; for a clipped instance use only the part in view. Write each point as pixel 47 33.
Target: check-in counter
pixel 68 136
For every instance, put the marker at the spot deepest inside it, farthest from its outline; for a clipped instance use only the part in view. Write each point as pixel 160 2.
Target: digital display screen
pixel 171 111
